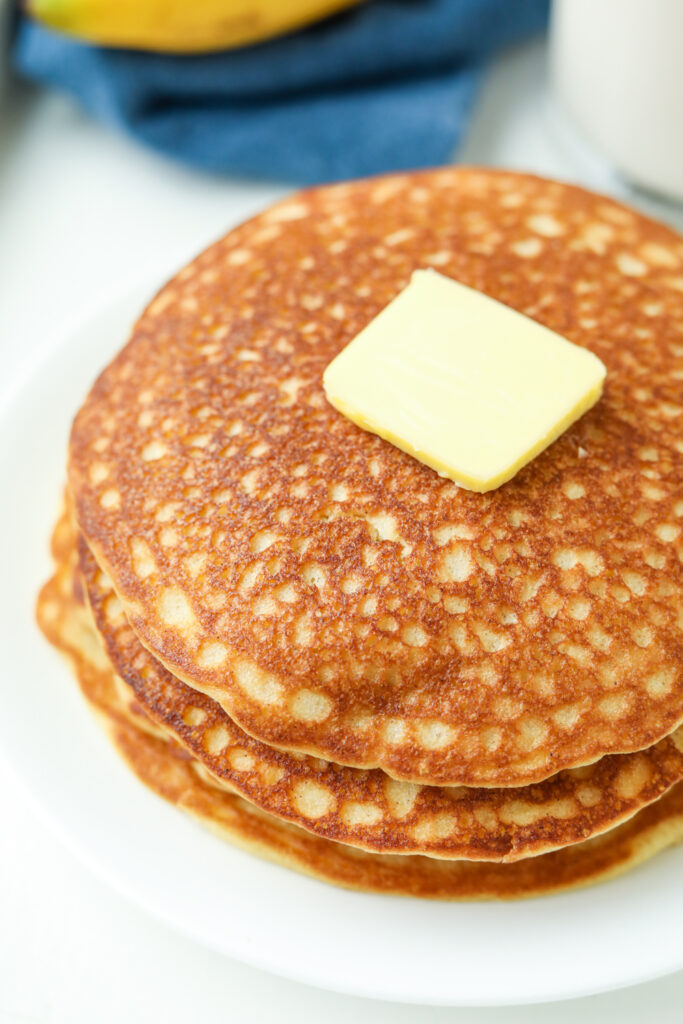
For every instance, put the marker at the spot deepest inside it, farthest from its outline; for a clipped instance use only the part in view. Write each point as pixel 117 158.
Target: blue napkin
pixel 384 86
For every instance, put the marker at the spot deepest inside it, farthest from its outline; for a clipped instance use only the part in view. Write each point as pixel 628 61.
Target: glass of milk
pixel 617 69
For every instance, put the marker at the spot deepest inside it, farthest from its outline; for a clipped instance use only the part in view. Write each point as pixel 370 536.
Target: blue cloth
pixel 384 86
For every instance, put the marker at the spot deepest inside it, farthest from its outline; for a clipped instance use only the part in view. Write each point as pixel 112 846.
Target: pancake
pixel 66 622
pixel 610 855
pixel 339 598
pixel 166 768
pixel 366 808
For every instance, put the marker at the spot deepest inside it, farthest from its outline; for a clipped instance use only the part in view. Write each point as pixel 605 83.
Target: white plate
pixel 442 953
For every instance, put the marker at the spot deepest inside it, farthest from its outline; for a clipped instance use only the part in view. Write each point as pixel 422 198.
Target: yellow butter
pixel 463 383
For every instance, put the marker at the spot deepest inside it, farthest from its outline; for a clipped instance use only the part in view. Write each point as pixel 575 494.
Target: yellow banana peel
pixel 179 26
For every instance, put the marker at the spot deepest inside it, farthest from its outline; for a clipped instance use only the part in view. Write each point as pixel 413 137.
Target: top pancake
pixel 335 595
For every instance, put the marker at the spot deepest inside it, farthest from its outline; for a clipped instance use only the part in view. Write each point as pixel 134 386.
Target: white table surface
pixel 81 213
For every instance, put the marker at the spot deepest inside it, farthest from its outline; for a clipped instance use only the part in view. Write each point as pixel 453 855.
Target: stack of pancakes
pixel 334 656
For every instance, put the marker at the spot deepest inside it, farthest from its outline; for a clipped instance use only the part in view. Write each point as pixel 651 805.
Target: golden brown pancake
pixel 650 831
pixel 333 594
pixel 166 768
pixel 366 808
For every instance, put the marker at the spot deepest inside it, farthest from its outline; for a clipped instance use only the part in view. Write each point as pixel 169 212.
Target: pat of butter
pixel 463 383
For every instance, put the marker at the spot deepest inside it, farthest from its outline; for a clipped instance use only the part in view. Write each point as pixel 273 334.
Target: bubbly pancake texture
pixel 331 593
pixel 166 768
pixel 650 831
pixel 367 808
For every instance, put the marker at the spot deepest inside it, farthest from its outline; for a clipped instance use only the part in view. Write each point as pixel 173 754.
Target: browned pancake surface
pixel 166 768
pixel 335 595
pixel 367 808
pixel 649 832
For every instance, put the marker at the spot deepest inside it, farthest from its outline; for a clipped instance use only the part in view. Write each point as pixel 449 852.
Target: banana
pixel 179 26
